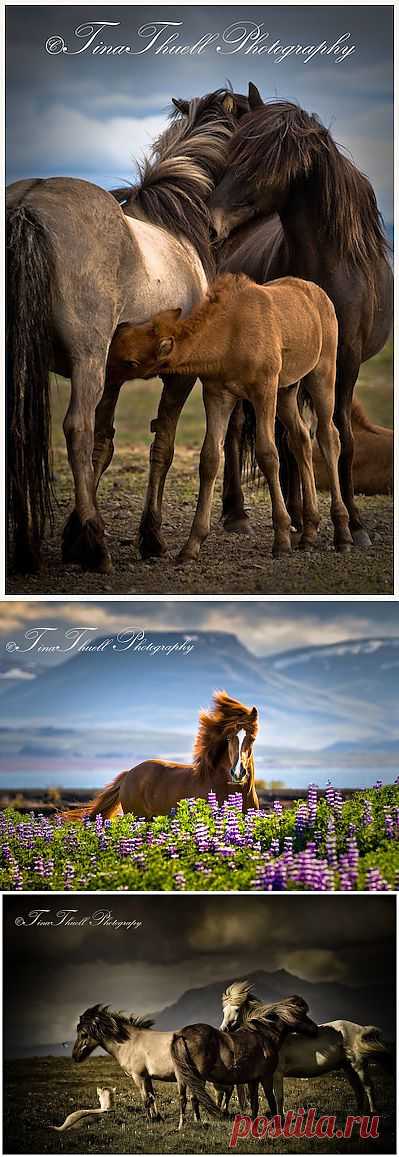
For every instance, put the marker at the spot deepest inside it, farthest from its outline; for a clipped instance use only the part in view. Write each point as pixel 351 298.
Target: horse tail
pixel 104 804
pixel 248 465
pixel 187 1073
pixel 369 1043
pixel 73 1119
pixel 249 789
pixel 30 278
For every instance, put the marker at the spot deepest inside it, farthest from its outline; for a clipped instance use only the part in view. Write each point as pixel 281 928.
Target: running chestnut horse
pixel 253 342
pixel 154 787
pixel 294 204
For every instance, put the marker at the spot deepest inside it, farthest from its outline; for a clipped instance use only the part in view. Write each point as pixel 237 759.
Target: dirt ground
pixel 229 563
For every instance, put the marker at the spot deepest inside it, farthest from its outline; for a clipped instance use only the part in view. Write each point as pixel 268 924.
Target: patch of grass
pixel 41 1092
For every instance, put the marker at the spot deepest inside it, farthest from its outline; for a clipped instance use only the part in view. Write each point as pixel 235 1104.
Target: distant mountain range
pixel 83 719
pixel 373 1004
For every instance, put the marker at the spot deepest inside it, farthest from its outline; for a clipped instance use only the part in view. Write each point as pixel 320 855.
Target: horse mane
pixel 104 1023
pixel 287 1012
pixel 282 145
pixel 228 716
pixel 185 163
pixel 220 291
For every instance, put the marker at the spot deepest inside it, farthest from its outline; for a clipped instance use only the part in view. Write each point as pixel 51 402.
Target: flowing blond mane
pixel 227 717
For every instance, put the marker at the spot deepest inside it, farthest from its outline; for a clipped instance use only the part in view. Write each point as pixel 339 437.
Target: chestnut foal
pixel 255 342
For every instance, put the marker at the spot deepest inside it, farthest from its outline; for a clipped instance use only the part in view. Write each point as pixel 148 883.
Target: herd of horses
pixel 257 1044
pixel 234 185
pixel 221 764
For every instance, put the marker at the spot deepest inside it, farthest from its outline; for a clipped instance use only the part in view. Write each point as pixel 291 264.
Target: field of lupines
pixel 319 844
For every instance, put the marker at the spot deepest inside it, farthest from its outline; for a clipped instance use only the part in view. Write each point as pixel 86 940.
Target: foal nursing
pixel 256 342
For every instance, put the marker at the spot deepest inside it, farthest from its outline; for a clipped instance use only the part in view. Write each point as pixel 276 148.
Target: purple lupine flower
pixel 388 823
pixel 367 815
pixel 301 818
pixel 99 824
pixel 374 881
pixel 180 881
pixel 69 873
pixel 277 807
pixel 330 794
pixel 338 803
pixel 312 802
pixel 212 800
pixel 378 784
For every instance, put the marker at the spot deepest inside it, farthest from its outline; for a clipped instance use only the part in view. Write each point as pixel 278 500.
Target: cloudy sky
pixel 263 627
pixel 179 946
pixel 87 113
pixel 106 711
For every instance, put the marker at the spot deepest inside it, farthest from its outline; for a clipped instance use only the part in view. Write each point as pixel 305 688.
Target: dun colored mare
pixel 339 1044
pixel 77 266
pixel 248 1056
pixel 328 230
pixel 254 342
pixel 154 787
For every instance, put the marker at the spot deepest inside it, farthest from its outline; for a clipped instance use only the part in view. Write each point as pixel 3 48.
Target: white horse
pixel 340 1044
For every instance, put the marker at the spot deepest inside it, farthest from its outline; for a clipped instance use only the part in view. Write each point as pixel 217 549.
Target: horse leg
pixel 254 1097
pixel 104 430
pixel 348 365
pixel 269 1091
pixel 183 1103
pixel 195 1107
pixel 317 384
pixel 300 444
pixel 242 1097
pixel 278 1088
pixel 219 404
pixel 234 515
pixel 176 390
pixel 86 544
pixel 290 479
pixel 268 462
pixel 361 1069
pixel 357 1085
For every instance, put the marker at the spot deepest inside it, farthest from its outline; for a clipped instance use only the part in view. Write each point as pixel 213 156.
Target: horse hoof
pixel 306 544
pixel 184 559
pixel 151 544
pixel 239 525
pixel 343 547
pixel 282 551
pixel 361 540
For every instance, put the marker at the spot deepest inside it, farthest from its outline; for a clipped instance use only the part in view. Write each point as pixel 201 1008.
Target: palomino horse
pixel 155 786
pixel 339 1044
pixel 77 266
pixel 142 1053
pixel 201 1053
pixel 283 161
pixel 254 342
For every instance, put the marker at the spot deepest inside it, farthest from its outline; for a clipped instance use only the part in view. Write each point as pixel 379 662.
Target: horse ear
pixel 229 103
pixel 254 97
pixel 254 713
pixel 181 105
pixel 167 316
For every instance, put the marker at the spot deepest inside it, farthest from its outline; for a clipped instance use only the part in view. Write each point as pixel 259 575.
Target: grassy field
pixel 229 563
pixel 41 1092
pixel 323 844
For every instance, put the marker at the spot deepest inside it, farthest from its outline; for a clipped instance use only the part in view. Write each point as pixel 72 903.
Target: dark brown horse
pixel 77 266
pixel 328 230
pixel 248 1056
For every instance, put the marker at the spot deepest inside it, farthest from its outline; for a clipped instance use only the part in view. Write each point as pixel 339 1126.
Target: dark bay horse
pixel 77 266
pixel 155 786
pixel 248 1056
pixel 328 230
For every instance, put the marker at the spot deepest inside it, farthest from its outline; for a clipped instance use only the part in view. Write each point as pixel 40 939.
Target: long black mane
pixel 104 1024
pixel 184 165
pixel 285 148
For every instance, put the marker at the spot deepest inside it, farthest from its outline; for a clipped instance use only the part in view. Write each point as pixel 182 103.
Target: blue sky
pixel 90 116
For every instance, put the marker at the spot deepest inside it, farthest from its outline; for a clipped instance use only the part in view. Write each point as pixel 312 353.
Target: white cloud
pixel 68 141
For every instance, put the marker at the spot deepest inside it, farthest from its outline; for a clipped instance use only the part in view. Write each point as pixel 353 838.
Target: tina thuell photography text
pixel 199 616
